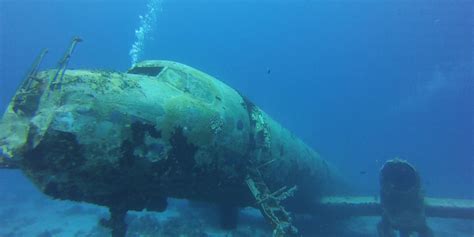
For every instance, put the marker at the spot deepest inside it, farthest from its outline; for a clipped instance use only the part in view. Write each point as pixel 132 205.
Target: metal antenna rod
pixel 62 65
pixel 33 70
pixel 25 86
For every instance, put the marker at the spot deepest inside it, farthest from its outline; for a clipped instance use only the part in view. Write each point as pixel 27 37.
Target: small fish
pixel 269 71
pixel 362 172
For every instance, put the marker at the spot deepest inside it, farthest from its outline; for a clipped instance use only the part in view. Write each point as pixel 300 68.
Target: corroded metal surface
pixel 163 129
pixel 402 201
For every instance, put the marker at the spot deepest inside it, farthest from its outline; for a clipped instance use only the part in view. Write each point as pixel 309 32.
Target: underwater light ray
pixel 147 26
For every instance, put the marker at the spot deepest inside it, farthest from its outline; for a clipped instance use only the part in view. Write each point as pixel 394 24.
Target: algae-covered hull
pixel 160 130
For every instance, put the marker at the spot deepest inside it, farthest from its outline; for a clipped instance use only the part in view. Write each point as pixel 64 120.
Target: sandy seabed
pixel 25 212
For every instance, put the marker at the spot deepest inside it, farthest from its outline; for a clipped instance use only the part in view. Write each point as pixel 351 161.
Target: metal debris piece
pixel 270 204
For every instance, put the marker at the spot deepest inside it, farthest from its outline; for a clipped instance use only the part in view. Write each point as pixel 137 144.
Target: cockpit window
pixel 148 71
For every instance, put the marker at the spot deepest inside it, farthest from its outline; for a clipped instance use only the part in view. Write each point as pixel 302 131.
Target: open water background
pixel 359 81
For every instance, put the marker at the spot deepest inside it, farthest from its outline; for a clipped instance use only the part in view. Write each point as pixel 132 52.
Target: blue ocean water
pixel 359 81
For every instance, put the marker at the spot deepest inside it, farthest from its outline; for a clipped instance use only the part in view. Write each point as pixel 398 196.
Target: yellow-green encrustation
pixel 162 129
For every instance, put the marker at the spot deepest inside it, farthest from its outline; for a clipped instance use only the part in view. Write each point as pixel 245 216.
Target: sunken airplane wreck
pixel 130 140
